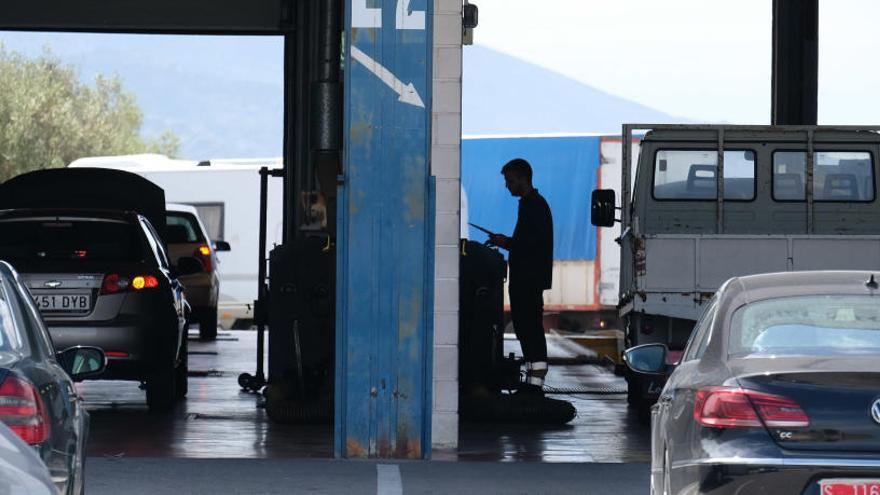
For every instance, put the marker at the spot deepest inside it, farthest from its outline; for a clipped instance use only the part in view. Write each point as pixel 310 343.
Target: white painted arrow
pixel 408 93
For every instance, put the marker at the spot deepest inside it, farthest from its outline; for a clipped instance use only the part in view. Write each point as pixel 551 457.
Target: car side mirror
pixel 647 358
pixel 222 246
pixel 187 265
pixel 603 208
pixel 81 362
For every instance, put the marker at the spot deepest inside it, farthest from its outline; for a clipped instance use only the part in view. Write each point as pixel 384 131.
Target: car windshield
pixel 37 240
pixel 807 325
pixel 182 228
pixel 10 337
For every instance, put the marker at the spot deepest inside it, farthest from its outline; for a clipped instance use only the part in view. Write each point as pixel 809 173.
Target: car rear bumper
pixel 201 297
pixel 201 289
pixel 759 476
pixel 232 312
pixel 130 349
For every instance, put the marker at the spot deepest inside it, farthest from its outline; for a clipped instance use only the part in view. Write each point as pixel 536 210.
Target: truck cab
pixel 790 198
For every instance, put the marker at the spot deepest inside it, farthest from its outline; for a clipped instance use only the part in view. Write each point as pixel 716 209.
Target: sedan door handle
pixel 666 398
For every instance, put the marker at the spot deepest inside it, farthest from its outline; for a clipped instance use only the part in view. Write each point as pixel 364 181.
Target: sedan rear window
pixel 807 326
pixel 37 240
pixel 182 228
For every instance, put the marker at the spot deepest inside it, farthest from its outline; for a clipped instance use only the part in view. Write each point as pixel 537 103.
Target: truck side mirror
pixel 602 208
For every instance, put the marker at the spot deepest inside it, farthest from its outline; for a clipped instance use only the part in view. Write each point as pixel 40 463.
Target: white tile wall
pixel 446 295
pixel 446 262
pixel 447 97
pixel 448 195
pixel 448 228
pixel 446 168
pixel 447 61
pixel 447 6
pixel 446 396
pixel 447 129
pixel 444 425
pixel 445 328
pixel 445 362
pixel 446 162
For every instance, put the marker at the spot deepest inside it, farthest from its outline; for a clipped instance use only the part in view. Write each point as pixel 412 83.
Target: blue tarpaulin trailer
pixel 566 170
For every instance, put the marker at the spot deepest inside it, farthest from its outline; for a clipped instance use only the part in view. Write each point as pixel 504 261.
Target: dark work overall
pixel 531 273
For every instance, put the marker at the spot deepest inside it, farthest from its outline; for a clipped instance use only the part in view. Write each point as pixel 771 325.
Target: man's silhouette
pixel 531 269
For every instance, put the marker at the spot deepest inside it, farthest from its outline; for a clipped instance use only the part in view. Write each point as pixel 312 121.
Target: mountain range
pixel 223 96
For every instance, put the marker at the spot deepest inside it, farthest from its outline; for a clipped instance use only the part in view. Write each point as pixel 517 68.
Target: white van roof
pixel 180 207
pixel 161 163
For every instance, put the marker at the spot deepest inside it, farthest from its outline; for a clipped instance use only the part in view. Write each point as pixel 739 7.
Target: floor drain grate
pixel 205 373
pixel 613 390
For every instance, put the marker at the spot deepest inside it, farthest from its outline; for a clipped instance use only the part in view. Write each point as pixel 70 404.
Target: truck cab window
pixel 692 175
pixel 837 176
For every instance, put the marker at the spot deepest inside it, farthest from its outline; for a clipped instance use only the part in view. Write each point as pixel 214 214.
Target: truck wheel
pixel 208 325
pixel 632 395
pixel 161 390
pixel 643 412
pixel 182 372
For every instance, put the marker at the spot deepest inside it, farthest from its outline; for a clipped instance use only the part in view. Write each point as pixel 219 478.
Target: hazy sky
pixel 706 60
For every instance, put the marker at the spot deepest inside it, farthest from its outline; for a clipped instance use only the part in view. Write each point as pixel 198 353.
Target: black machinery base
pixel 516 408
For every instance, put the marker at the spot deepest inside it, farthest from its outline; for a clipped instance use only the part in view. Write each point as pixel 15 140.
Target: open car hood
pixel 85 188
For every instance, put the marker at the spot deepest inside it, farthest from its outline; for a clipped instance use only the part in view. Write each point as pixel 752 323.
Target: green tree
pixel 48 117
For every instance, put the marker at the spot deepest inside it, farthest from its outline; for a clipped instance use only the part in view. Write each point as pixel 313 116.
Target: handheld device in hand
pixel 481 229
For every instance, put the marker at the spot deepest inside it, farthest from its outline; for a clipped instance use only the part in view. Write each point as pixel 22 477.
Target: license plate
pixel 63 302
pixel 850 487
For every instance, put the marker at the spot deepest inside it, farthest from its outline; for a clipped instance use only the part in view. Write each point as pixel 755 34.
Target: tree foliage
pixel 48 117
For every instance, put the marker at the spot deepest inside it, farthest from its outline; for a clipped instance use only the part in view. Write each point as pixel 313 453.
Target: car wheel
pixel 182 382
pixel 208 325
pixel 161 390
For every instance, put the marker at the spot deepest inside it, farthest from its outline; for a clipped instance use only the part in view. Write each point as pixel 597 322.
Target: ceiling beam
pixel 149 16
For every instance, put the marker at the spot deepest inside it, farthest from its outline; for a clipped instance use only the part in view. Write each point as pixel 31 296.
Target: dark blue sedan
pixel 777 392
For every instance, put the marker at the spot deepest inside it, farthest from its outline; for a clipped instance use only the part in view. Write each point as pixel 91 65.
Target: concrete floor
pixel 605 429
pixel 133 449
pixel 150 476
pixel 217 419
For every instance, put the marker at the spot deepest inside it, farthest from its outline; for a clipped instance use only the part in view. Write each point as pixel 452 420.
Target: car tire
pixel 161 389
pixel 208 325
pixel 182 371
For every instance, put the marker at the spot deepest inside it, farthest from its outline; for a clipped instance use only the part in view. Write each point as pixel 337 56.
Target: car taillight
pixel 23 411
pixel 203 253
pixel 115 283
pixel 732 407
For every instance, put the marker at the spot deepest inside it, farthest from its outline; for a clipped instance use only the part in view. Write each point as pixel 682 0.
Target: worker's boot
pixel 535 374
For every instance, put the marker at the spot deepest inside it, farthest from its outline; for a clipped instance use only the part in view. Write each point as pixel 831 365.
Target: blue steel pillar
pixel 385 234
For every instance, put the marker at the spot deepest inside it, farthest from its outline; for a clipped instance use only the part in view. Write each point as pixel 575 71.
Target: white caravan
pixel 226 194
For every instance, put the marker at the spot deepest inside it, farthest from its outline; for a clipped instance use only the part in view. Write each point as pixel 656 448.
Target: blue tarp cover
pixel 564 172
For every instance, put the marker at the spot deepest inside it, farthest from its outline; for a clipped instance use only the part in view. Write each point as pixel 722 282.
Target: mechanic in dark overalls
pixel 531 269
